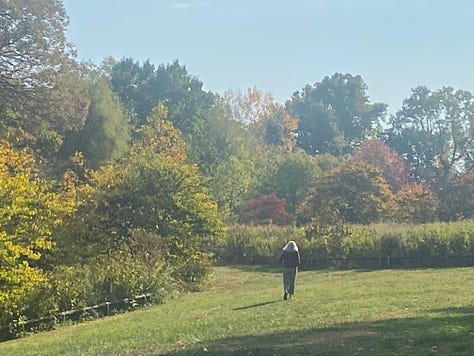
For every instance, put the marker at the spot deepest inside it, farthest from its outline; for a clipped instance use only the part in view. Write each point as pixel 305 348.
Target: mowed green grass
pixel 406 312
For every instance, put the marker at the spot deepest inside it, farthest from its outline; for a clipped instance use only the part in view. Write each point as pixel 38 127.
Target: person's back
pixel 291 261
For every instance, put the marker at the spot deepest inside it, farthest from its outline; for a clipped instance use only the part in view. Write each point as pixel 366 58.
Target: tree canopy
pixel 355 193
pixel 141 86
pixel 434 131
pixel 33 48
pixel 334 114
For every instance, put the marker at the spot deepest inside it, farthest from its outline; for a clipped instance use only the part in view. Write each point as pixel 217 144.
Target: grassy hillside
pixel 242 312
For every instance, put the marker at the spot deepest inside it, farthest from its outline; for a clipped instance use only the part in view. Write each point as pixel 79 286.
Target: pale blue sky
pixel 281 45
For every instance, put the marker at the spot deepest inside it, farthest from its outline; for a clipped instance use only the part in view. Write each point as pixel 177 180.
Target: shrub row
pixel 79 286
pixel 369 246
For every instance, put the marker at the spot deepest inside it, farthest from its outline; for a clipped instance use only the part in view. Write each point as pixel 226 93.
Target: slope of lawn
pixel 385 312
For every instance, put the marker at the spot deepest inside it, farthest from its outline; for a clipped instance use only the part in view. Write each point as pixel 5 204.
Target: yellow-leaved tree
pixel 29 211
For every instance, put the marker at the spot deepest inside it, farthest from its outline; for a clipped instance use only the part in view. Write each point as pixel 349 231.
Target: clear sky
pixel 281 45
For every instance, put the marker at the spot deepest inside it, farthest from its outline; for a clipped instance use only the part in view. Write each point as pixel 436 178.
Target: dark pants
pixel 289 276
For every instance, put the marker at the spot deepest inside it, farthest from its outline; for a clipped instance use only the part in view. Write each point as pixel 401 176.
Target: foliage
pixel 458 202
pixel 262 244
pixel 111 279
pixel 29 212
pixel 391 164
pixel 33 48
pixel 355 246
pixel 159 136
pixel 264 210
pixel 249 108
pixel 334 114
pixel 232 182
pixel 417 204
pixel 106 133
pixel 147 200
pixel 433 130
pixel 141 86
pixel 144 219
pixel 291 176
pixel 353 193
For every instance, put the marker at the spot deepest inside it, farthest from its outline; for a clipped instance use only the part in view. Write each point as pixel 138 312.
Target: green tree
pixel 434 131
pixel 233 182
pixel 41 96
pixel 291 177
pixel 215 137
pixel 106 133
pixel 229 158
pixel 33 49
pixel 458 202
pixel 334 114
pixel 141 87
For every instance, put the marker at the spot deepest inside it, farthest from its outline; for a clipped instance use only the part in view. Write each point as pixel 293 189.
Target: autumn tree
pixel 158 135
pixel 264 210
pixel 279 129
pixel 266 120
pixel 352 193
pixel 250 107
pixel 393 167
pixel 334 114
pixel 29 212
pixel 416 203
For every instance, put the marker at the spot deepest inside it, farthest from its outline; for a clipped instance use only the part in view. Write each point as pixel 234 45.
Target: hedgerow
pixel 377 245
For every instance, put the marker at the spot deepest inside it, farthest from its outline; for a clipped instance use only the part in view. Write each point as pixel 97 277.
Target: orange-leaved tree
pixel 354 193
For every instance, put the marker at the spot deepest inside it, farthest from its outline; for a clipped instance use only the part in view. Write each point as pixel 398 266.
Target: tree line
pixel 118 178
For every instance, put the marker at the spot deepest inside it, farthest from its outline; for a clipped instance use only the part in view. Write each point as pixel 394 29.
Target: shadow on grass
pixel 450 335
pixel 255 268
pixel 457 310
pixel 254 305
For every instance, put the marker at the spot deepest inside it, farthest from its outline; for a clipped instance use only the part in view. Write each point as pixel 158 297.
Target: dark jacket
pixel 290 259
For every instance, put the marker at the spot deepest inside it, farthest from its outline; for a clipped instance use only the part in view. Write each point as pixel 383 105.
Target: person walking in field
pixel 291 261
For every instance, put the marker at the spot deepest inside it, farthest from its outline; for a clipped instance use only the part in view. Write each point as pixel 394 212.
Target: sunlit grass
pixel 242 312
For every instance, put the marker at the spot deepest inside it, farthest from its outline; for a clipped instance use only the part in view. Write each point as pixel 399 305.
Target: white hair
pixel 290 247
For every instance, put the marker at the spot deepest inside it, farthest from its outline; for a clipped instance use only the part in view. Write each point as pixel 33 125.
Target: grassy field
pixel 387 312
